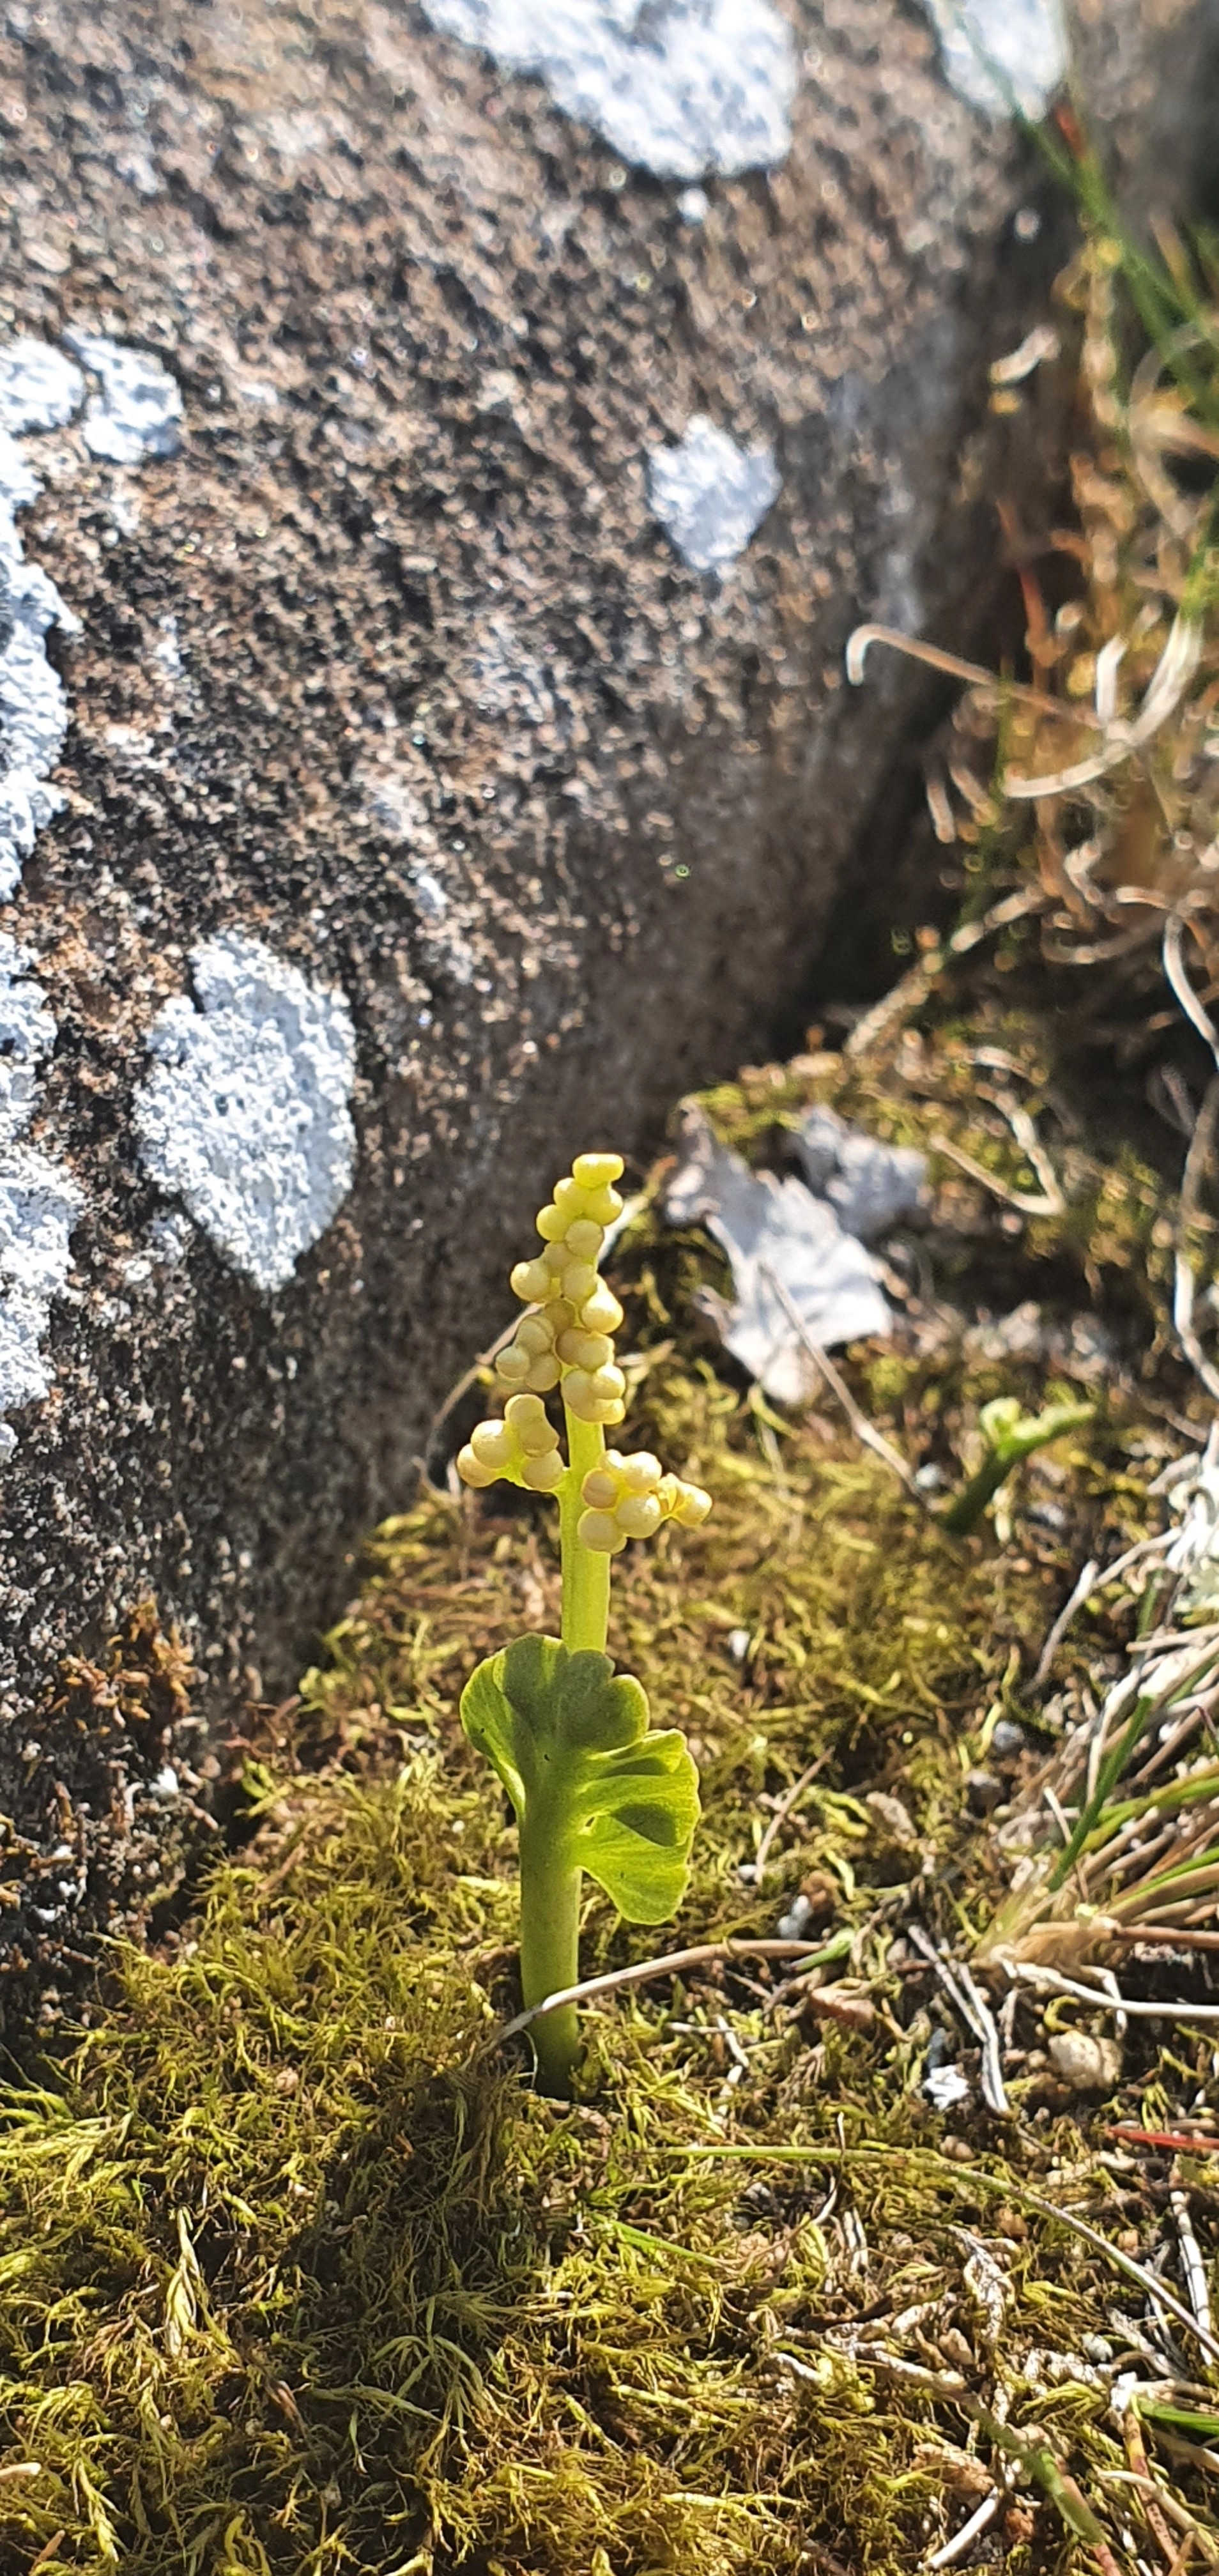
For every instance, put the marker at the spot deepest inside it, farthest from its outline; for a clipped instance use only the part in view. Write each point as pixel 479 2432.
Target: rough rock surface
pixel 422 811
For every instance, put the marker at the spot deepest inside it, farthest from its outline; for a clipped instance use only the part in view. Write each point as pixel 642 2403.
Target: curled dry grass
pixel 1098 767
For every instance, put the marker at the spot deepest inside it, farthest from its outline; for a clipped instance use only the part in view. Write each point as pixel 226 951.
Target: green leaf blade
pixel 596 1788
pixel 638 1815
pixel 489 1720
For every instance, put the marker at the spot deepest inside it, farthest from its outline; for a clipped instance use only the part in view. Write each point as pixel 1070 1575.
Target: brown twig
pixel 1148 2490
pixel 49 2550
pixel 1035 1973
pixel 1021 1199
pixel 469 1378
pixel 975 2178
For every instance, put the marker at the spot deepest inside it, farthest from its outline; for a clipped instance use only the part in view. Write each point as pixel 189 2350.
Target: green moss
pixel 299 2275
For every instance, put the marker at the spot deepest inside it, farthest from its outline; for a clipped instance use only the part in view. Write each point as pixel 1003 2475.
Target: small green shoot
pixel 1009 1435
pixel 593 1788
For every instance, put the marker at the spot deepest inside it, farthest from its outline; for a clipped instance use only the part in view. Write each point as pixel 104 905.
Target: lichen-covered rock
pixel 429 525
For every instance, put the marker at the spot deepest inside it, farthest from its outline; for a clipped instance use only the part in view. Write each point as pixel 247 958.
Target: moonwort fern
pixel 595 1788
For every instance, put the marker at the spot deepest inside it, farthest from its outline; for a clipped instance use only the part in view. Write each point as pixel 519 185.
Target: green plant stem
pixel 550 1950
pixel 550 1895
pixel 586 1571
pixel 963 1514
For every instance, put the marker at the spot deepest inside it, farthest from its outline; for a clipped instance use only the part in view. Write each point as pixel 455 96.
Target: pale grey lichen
pixel 774 1231
pixel 33 706
pixel 998 54
pixel 138 411
pixel 711 495
pixel 39 1202
pixel 135 415
pixel 27 1034
pixel 39 387
pixel 871 1186
pixel 246 1113
pixel 680 87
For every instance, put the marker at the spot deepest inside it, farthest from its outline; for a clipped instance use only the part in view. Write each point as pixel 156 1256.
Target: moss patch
pixel 297 2273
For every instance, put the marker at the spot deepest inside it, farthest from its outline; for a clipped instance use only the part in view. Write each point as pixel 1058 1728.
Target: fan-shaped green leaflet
pixel 594 1787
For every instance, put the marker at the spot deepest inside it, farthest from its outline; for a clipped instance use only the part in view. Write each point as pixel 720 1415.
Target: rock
pixel 793 1925
pixel 984 1791
pixel 1088 2063
pixel 893 1819
pixel 1148 75
pixel 390 803
pixel 1003 53
pixel 946 2087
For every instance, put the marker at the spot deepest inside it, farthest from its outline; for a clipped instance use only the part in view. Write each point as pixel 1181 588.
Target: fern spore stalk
pixel 594 1787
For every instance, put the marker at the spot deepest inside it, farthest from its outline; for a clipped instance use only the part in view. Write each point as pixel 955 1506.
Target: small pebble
pixel 895 1818
pixel 957 2149
pixel 985 1792
pixel 738 1644
pixel 1096 2348
pixel 1087 2063
pixel 946 2087
pixel 1007 1740
pixel 793 1925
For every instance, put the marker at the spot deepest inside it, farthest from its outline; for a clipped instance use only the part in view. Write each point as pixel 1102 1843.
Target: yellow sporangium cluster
pixel 523 1448
pixel 570 1336
pixel 630 1497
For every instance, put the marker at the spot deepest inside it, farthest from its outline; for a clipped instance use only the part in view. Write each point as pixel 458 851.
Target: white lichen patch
pixel 246 1115
pixel 1000 54
pixel 39 1203
pixel 710 494
pixel 27 1034
pixel 680 87
pixel 139 408
pixel 39 387
pixel 33 706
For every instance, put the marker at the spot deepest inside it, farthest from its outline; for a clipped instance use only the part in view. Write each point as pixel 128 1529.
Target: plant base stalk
pixel 963 1515
pixel 550 1958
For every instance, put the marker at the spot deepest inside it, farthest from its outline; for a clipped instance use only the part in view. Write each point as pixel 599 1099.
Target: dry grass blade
pixel 642 1972
pixel 963 2540
pixel 976 2014
pixel 864 1430
pixel 1101 774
